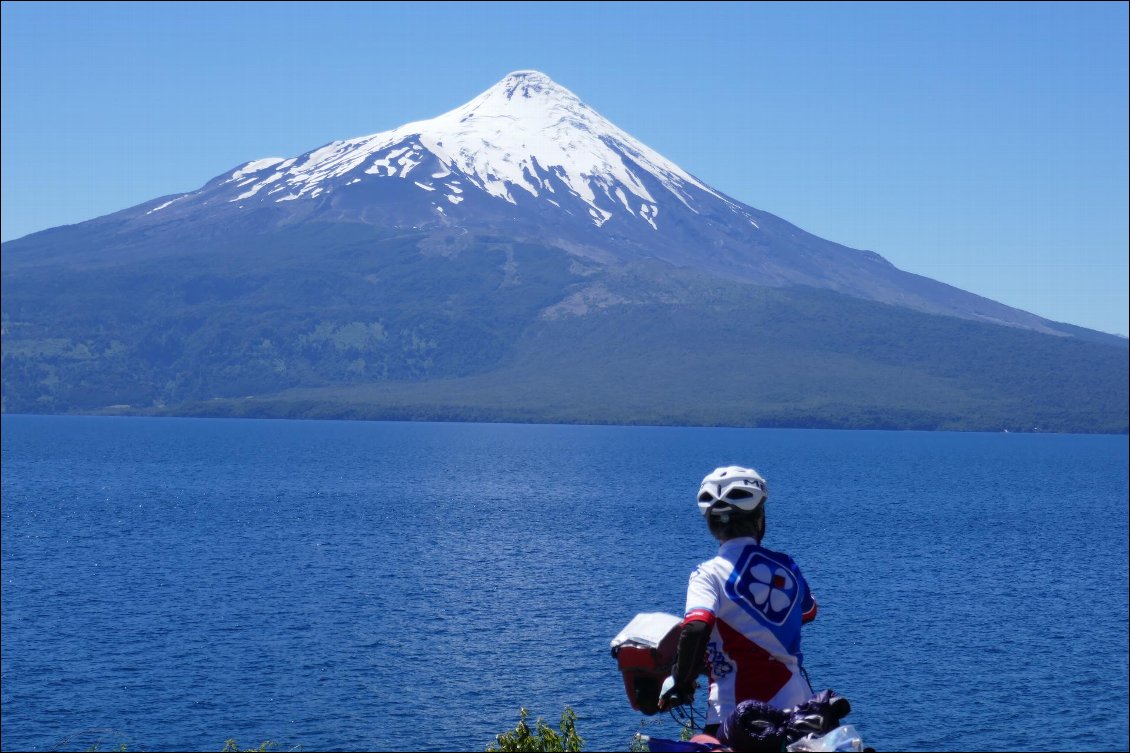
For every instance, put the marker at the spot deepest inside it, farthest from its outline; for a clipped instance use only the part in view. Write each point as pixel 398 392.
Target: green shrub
pixel 231 746
pixel 521 738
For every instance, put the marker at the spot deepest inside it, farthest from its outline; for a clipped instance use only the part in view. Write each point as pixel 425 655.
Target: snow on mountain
pixel 528 160
pixel 525 137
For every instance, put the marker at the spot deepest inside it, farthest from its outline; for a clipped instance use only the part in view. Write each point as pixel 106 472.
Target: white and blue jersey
pixel 755 601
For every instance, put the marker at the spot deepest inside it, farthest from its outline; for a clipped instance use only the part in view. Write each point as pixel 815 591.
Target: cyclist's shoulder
pixel 782 558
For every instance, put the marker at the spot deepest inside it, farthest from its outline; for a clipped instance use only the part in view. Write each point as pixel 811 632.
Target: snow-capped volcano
pixel 529 161
pixel 517 258
pixel 524 138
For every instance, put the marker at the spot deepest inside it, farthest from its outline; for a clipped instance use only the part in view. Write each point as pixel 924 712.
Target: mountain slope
pixel 653 363
pixel 493 329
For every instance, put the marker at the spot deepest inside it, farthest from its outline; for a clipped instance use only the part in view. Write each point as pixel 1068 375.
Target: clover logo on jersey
pixel 762 587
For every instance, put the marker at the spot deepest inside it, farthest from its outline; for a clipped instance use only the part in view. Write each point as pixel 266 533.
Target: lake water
pixel 172 583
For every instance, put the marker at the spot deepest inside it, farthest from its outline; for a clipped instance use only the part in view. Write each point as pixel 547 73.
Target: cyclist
pixel 744 608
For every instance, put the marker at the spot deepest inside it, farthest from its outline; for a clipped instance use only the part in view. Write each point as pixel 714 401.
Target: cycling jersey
pixel 754 600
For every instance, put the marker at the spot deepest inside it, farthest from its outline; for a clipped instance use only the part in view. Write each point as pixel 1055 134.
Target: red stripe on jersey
pixel 699 615
pixel 758 675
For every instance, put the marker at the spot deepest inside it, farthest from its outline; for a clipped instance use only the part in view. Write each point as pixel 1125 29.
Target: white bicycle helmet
pixel 732 486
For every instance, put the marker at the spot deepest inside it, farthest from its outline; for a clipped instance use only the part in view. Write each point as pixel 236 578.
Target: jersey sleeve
pixel 702 598
pixel 808 604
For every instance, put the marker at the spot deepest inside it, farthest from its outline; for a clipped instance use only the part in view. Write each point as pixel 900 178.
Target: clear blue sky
pixel 983 145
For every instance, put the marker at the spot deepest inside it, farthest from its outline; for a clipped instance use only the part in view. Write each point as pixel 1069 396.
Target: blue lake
pixel 172 583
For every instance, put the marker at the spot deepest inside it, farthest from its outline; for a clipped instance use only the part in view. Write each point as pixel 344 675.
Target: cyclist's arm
pixel 691 658
pixel 698 622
